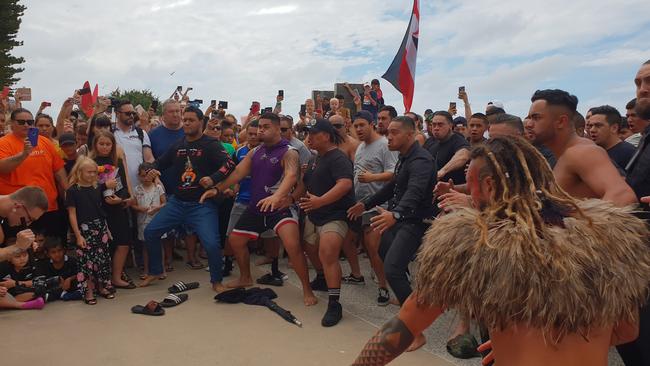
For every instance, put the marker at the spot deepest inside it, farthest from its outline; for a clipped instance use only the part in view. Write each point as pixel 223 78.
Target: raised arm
pixel 9 164
pixel 242 170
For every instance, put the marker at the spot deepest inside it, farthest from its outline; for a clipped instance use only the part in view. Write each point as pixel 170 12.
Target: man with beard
pixel 385 115
pixel 602 127
pixel 583 169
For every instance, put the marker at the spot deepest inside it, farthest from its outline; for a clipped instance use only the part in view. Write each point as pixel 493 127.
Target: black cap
pixel 321 125
pixel 460 121
pixel 67 138
pixel 364 115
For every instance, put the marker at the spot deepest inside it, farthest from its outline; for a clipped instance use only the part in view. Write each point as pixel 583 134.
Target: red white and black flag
pixel 401 72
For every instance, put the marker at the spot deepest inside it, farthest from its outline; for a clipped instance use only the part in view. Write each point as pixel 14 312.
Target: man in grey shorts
pixel 374 166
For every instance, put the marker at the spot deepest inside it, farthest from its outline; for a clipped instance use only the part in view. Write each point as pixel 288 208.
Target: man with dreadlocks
pixel 555 280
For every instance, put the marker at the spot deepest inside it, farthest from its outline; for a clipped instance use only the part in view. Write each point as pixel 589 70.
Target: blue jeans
pixel 202 219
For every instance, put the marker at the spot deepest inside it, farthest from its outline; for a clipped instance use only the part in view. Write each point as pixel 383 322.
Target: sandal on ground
pixel 181 286
pixel 107 295
pixel 152 308
pixel 130 286
pixel 169 268
pixel 463 346
pixel 194 265
pixel 172 300
pixel 92 301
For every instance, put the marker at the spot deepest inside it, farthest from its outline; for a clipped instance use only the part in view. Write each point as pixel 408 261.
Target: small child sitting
pixel 62 266
pixel 17 275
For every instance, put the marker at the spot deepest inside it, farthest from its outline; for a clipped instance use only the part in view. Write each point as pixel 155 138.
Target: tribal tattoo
pixel 391 341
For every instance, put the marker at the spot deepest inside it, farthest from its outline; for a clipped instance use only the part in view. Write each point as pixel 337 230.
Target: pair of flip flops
pixel 155 308
pixel 181 286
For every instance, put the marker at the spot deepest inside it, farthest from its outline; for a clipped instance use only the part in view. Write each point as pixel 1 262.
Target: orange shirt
pixel 37 170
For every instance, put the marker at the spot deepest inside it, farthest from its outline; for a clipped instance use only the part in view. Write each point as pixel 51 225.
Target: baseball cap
pixel 366 84
pixel 321 125
pixel 496 104
pixel 67 138
pixel 364 115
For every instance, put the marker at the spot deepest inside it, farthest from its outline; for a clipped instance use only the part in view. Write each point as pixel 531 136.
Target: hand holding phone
pixel 223 104
pixel 32 136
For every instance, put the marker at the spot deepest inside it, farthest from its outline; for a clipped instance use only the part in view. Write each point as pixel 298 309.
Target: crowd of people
pixel 520 224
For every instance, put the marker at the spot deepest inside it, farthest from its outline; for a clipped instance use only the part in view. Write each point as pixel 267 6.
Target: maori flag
pixel 401 72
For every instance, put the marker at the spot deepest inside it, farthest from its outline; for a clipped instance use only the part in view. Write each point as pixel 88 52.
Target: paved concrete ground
pixel 201 332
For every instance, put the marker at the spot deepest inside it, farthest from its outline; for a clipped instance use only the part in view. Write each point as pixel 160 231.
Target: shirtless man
pixel 526 316
pixel 583 169
pixel 350 144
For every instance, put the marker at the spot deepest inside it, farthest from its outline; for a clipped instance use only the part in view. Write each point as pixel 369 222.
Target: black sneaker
pixel 283 275
pixel 333 314
pixel 318 284
pixel 384 297
pixel 353 280
pixel 270 280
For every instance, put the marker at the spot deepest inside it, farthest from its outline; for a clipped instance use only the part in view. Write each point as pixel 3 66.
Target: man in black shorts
pixel 274 169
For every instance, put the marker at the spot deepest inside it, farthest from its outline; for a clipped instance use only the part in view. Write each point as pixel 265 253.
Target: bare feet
pixel 310 299
pixel 264 260
pixel 241 282
pixel 147 281
pixel 218 287
pixel 418 342
pixel 393 301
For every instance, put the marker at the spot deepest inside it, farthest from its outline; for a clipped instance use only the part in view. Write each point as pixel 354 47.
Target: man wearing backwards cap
pixel 329 194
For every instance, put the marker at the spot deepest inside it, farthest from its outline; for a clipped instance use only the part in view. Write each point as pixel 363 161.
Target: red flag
pixel 401 72
pixel 86 100
pixel 95 93
pixel 5 92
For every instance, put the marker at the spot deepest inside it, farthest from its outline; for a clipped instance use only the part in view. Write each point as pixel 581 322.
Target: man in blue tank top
pixel 274 169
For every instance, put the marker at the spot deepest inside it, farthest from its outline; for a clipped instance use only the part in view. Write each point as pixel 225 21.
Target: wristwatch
pixel 397 216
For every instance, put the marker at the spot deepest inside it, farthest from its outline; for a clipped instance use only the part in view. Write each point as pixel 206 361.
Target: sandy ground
pixel 203 332
pixel 198 332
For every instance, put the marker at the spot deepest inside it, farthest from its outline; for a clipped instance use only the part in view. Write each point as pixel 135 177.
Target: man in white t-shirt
pixel 134 141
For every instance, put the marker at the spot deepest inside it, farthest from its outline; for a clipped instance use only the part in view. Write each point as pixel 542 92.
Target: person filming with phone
pixel 27 159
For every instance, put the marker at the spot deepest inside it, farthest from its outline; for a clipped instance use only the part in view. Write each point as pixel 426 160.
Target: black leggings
pixel 398 247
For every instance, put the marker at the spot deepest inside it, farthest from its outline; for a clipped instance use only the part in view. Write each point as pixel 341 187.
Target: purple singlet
pixel 266 171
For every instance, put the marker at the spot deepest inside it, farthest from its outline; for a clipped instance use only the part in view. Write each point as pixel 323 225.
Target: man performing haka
pixel 555 280
pixel 274 170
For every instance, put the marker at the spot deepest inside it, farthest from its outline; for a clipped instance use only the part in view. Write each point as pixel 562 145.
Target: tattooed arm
pixel 398 334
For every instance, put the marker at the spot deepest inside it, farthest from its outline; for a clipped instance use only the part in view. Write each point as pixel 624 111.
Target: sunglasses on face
pixel 338 126
pixel 132 114
pixel 22 122
pixel 284 129
pixel 28 217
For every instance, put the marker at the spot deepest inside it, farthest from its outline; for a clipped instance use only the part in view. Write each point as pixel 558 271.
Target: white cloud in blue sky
pixel 243 50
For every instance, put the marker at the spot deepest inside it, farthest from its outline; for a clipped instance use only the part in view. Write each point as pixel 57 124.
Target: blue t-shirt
pixel 162 138
pixel 244 195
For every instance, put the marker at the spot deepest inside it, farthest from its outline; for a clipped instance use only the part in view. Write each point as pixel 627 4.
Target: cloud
pixel 246 50
pixel 284 9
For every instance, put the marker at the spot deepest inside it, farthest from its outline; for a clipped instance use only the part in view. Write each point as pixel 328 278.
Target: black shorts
pixel 251 224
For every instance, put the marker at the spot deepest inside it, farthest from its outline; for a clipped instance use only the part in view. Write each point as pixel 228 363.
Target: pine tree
pixel 10 13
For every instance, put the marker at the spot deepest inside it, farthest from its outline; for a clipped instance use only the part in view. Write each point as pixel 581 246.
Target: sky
pixel 244 50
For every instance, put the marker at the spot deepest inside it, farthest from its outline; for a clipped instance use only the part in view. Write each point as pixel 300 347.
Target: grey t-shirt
pixel 373 158
pixel 303 152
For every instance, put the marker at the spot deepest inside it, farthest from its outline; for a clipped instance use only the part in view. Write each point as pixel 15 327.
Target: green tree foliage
pixel 10 13
pixel 141 97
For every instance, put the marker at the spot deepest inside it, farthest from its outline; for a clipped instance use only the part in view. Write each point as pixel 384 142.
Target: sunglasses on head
pixel 22 122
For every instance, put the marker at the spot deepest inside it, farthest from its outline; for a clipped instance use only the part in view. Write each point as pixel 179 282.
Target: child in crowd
pixel 16 282
pixel 39 252
pixel 112 165
pixel 62 266
pixel 151 198
pixel 16 275
pixel 68 145
pixel 88 222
